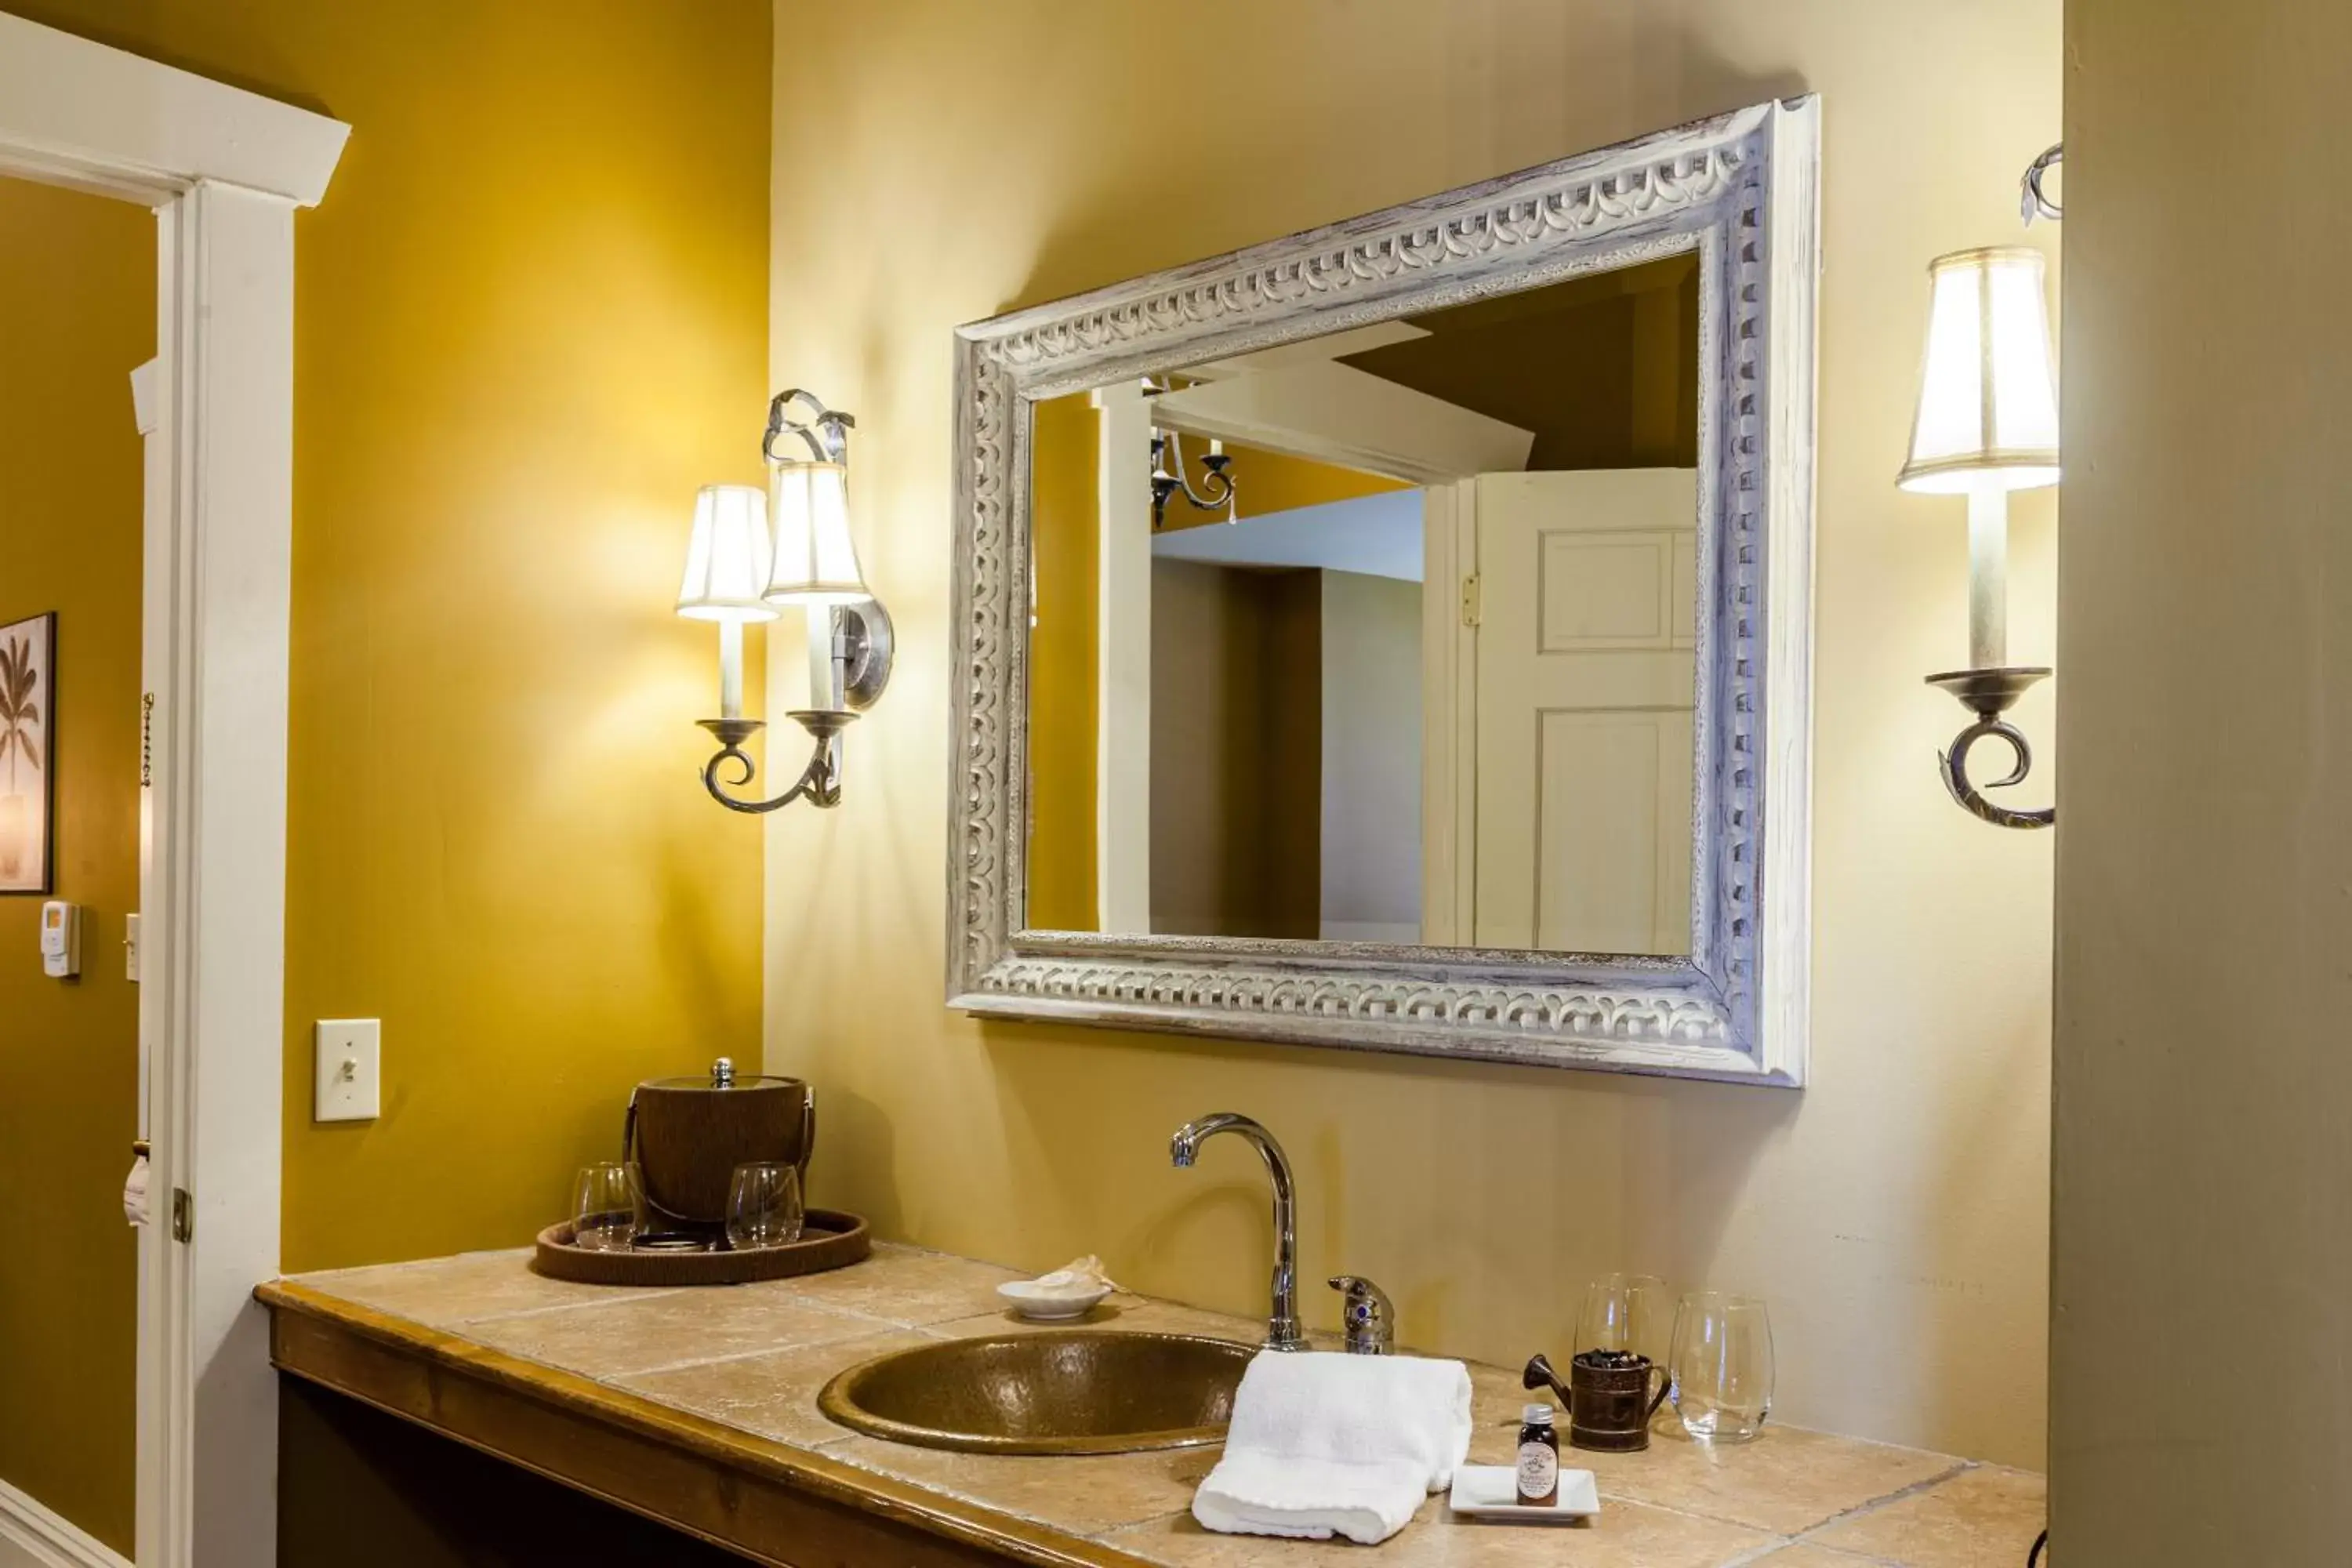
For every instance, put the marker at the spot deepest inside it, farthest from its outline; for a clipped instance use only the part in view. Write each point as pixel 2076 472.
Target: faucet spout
pixel 1283 1330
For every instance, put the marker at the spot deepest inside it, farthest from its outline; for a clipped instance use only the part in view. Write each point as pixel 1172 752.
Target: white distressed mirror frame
pixel 1740 189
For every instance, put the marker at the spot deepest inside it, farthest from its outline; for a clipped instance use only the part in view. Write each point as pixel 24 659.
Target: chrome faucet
pixel 1282 1331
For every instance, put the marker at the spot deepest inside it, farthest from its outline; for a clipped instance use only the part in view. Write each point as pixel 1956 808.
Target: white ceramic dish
pixel 1492 1491
pixel 1051 1303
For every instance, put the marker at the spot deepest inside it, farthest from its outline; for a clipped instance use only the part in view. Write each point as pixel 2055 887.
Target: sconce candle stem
pixel 730 669
pixel 1987 578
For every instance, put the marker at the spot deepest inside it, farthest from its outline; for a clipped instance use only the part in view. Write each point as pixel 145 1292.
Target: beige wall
pixel 1236 750
pixel 939 164
pixel 2203 1173
pixel 1370 848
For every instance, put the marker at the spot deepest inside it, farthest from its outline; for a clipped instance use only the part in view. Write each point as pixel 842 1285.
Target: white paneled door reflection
pixel 1587 635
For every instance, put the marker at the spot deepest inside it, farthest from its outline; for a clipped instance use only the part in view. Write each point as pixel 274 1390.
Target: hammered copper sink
pixel 1072 1391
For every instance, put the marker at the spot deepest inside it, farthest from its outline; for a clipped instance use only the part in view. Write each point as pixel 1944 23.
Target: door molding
pixel 33 1536
pixel 222 170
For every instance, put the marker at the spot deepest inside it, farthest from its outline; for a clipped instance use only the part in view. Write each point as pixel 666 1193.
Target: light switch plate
pixel 350 1080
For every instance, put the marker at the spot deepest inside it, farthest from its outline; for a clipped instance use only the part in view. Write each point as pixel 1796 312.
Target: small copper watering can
pixel 1608 1398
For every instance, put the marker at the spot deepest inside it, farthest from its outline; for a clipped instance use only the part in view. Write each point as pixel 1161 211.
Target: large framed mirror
pixel 1397 636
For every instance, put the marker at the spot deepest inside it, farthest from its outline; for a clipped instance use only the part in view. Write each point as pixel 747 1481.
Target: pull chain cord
pixel 2034 1556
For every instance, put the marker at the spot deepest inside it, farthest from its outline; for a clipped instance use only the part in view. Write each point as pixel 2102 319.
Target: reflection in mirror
pixel 1386 635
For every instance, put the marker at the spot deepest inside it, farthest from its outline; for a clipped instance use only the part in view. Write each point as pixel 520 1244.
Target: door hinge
pixel 1470 601
pixel 184 1216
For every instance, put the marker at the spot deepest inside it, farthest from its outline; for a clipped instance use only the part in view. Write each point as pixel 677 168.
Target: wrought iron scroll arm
pixel 1954 769
pixel 826 430
pixel 1989 693
pixel 2033 203
pixel 819 784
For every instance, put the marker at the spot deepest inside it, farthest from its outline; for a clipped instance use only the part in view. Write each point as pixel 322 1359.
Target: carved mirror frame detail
pixel 1740 190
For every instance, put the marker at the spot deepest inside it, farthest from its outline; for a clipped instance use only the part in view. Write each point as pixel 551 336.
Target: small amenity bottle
pixel 1538 1458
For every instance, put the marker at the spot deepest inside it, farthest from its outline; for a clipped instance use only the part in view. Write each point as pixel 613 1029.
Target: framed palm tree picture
pixel 28 779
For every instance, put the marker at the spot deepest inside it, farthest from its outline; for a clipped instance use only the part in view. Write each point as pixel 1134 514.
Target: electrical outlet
pixel 349 1081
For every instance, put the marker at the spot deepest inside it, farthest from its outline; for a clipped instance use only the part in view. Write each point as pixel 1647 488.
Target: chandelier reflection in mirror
pixel 1171 479
pixel 737 572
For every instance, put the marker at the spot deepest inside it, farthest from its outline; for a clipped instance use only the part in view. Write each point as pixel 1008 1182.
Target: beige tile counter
pixel 700 1407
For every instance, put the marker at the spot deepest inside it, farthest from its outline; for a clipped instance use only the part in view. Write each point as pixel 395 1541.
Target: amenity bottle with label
pixel 1538 1458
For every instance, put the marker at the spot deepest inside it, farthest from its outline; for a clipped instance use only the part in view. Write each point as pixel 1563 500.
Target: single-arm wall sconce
pixel 1987 424
pixel 733 575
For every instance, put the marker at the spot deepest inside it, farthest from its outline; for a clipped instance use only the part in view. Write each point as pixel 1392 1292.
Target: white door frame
pixel 222 170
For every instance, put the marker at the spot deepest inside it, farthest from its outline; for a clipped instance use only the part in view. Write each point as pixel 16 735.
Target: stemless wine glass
pixel 1624 1312
pixel 606 1213
pixel 1722 1366
pixel 764 1209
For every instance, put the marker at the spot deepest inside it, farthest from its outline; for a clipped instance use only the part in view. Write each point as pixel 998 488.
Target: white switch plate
pixel 349 1081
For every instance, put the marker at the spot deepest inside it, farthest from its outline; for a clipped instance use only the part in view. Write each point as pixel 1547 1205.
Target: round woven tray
pixel 832 1240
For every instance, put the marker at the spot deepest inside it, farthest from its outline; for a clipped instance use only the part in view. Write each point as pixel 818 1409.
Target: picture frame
pixel 28 650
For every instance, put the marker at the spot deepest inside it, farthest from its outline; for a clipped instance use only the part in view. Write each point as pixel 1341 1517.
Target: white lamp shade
pixel 1988 414
pixel 726 562
pixel 816 562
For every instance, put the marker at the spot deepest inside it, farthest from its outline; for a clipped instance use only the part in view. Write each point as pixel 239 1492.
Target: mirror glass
pixel 1384 635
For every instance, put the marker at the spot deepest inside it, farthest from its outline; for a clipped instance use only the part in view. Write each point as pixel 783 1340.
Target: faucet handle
pixel 1366 1314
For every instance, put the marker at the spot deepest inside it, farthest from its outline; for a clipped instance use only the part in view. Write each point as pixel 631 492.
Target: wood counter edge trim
pixel 725 1452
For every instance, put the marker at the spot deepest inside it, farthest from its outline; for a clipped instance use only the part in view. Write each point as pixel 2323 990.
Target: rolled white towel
pixel 1326 1444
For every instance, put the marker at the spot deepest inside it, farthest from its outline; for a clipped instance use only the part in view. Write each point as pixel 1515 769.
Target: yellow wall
pixel 2202 1164
pixel 1896 1212
pixel 1064 533
pixel 529 323
pixel 76 312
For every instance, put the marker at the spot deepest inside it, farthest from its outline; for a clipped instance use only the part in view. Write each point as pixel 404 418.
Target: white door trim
pixel 223 170
pixel 1123 653
pixel 1449 712
pixel 32 1536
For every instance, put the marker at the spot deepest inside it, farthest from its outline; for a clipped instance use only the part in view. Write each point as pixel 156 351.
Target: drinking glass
pixel 1722 1366
pixel 1624 1312
pixel 606 1215
pixel 763 1208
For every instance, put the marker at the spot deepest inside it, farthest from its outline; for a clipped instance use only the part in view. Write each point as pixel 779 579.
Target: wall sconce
pixel 1987 424
pixel 734 576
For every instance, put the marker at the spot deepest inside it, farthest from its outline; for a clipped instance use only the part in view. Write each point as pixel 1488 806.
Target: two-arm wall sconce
pixel 734 576
pixel 1987 424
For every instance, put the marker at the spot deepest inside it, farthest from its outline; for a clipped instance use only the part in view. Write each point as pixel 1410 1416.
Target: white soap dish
pixel 1059 1297
pixel 1051 1303
pixel 1492 1491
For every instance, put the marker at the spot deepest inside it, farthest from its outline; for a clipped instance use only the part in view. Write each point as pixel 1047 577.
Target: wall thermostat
pixel 60 940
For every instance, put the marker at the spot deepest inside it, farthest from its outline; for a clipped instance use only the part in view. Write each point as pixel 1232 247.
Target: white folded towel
pixel 134 1191
pixel 1327 1444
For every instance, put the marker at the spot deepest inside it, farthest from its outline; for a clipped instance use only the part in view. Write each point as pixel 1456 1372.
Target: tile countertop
pixel 743 1365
